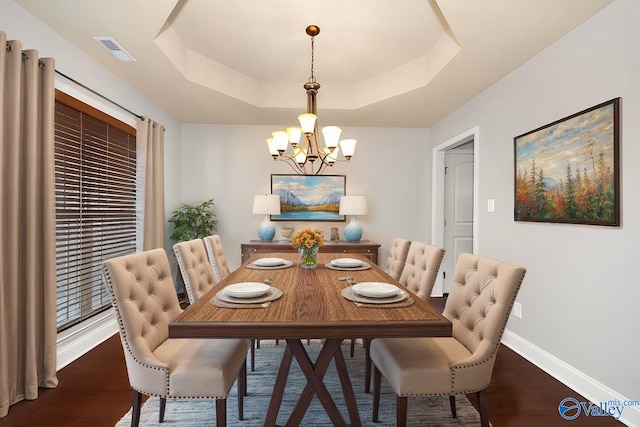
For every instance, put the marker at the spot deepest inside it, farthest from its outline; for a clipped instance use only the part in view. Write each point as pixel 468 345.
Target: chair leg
pixel 253 355
pixel 367 365
pixel 353 346
pixel 482 406
pixel 452 403
pixel 163 406
pixel 258 344
pixel 135 408
pixel 377 379
pixel 221 412
pixel 401 415
pixel 242 389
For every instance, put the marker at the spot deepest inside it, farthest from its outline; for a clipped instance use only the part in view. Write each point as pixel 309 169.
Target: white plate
pixel 268 262
pixel 376 289
pixel 346 262
pixel 246 289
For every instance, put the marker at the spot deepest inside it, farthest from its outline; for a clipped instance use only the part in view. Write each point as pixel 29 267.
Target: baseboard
pixel 76 341
pixel 588 387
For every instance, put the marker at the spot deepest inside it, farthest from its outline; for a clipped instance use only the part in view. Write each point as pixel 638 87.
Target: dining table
pixel 302 304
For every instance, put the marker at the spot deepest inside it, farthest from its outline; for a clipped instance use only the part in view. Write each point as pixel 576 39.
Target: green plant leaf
pixel 193 221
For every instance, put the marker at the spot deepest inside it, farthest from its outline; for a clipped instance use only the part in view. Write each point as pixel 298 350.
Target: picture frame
pixel 309 197
pixel 568 171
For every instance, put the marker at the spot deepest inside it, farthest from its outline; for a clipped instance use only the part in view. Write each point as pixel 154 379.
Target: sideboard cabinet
pixel 364 247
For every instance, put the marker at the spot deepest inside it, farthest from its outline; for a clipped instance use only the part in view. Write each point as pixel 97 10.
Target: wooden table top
pixel 311 307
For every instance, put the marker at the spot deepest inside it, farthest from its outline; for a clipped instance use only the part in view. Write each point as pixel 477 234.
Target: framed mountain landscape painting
pixel 309 197
pixel 568 171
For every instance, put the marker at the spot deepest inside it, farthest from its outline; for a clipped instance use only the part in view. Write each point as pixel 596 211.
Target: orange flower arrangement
pixel 307 238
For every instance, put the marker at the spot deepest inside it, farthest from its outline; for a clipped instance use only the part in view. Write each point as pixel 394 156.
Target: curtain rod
pixel 100 95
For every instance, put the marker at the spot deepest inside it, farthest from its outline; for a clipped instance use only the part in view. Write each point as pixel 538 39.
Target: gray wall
pixel 580 296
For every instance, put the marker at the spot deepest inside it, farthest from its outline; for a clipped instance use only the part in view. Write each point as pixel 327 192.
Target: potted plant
pixel 193 221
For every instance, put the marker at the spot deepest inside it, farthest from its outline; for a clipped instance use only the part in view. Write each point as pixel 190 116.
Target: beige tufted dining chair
pixel 418 275
pixel 218 260
pixel 145 302
pixel 421 268
pixel 195 261
pixel 220 267
pixel 397 257
pixel 194 266
pixel 478 306
pixel 394 265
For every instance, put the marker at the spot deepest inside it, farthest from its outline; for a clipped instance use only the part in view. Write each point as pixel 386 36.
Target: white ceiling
pixel 385 63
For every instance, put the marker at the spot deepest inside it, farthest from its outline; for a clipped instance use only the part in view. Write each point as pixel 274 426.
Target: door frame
pixel 438 192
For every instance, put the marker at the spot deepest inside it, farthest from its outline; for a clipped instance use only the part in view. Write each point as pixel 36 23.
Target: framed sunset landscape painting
pixel 568 170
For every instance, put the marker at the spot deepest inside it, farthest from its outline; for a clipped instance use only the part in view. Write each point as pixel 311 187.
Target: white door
pixel 458 200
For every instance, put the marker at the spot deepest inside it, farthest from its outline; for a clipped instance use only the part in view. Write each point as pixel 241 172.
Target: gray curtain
pixel 27 225
pixel 150 143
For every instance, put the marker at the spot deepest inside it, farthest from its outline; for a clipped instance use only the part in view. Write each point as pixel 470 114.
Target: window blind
pixel 95 173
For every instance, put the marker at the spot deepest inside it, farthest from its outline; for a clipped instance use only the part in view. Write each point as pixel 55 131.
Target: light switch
pixel 491 206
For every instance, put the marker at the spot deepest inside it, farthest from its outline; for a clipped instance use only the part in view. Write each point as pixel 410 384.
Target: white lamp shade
pixel 281 139
pixel 301 155
pixel 348 147
pixel 353 205
pixel 266 204
pixel 331 136
pixel 307 122
pixel 294 135
pixel 273 149
pixel 332 156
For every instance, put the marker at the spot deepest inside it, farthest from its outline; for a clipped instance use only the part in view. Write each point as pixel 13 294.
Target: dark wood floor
pixel 94 391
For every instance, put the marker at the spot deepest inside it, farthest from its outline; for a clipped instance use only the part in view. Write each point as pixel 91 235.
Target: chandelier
pixel 305 155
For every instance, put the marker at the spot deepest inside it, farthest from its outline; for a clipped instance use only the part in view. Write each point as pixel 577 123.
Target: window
pixel 95 169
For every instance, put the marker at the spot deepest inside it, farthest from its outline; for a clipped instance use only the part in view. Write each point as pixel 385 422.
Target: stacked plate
pixel 376 289
pixel 246 290
pixel 375 293
pixel 347 263
pixel 269 262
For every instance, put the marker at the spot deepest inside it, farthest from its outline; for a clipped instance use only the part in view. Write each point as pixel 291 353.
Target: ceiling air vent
pixel 114 48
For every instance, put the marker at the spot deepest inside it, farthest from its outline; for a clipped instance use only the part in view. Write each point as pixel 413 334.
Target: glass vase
pixel 309 257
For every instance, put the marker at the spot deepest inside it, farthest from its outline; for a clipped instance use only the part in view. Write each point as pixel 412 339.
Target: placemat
pixel 285 264
pixel 361 301
pixel 364 266
pixel 264 301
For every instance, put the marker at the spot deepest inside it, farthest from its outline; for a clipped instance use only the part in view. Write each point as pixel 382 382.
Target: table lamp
pixel 266 204
pixel 353 205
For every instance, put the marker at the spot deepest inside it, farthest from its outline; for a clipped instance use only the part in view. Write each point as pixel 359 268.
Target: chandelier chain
pixel 312 79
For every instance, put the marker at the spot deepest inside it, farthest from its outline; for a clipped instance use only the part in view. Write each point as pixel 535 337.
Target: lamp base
pixel 266 231
pixel 353 231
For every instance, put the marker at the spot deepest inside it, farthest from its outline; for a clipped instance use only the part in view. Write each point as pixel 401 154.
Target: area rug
pixel 423 411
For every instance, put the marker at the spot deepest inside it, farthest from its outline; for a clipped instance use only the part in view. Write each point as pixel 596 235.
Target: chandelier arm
pixel 291 161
